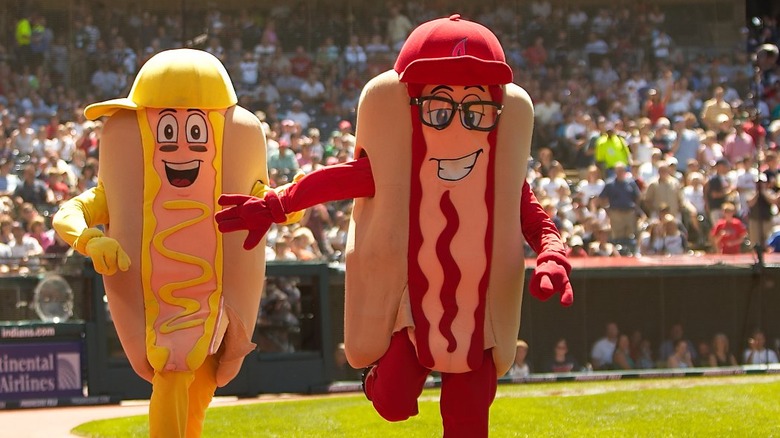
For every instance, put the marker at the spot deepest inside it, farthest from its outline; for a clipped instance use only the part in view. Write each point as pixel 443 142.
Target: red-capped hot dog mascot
pixel 434 275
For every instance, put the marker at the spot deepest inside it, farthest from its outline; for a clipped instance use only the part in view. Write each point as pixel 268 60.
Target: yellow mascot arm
pixel 75 222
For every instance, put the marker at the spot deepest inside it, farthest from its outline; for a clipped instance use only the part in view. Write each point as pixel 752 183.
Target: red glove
pixel 250 213
pixel 550 276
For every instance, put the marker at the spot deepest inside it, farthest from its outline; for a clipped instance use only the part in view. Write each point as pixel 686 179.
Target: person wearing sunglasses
pixel 434 261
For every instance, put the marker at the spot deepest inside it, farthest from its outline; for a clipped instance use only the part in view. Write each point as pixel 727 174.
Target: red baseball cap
pixel 452 51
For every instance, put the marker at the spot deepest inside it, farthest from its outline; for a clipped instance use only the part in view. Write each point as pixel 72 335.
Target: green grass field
pixel 744 406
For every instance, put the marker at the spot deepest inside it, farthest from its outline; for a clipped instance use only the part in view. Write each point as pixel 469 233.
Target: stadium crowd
pixel 632 350
pixel 640 147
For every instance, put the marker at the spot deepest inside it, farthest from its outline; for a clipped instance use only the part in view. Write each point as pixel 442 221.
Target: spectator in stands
pixel 715 107
pixel 337 236
pixel 547 115
pixel 592 185
pixel 55 181
pixel 641 352
pixel 738 144
pixel 22 138
pixel 663 137
pixel 23 246
pixel 675 241
pixel 6 224
pixel 744 177
pixel 652 239
pixel 304 245
pixel 718 190
pixel 312 91
pixel 654 107
pixel 398 27
pixel 664 190
pixel 621 358
pixel 693 195
pixel 32 189
pixel 106 82
pixel 576 247
pixel 760 222
pixel 520 367
pixel 284 162
pixel 611 149
pixel 721 355
pixel 555 186
pixel 354 55
pixel 681 356
pixel 757 353
pixel 686 143
pixel 298 115
pixel 622 197
pixel 8 180
pixel 601 353
pixel 669 346
pixel 39 232
pixel 710 150
pixel 561 361
pixel 602 246
pixel 728 233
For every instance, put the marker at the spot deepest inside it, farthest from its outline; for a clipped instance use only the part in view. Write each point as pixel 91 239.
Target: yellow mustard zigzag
pixel 166 292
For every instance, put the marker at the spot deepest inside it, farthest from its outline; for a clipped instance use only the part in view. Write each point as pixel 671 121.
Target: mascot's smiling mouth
pixel 182 174
pixel 456 169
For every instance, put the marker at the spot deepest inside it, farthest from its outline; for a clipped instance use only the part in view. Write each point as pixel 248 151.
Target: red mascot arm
pixel 342 181
pixel 552 271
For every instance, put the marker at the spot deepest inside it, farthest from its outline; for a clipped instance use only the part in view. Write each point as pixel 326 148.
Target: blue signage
pixel 40 370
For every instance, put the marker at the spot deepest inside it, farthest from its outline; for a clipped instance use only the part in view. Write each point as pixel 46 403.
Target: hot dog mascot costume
pixel 183 297
pixel 434 266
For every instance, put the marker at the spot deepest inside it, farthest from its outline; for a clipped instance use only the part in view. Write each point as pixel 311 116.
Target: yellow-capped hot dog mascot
pixel 183 297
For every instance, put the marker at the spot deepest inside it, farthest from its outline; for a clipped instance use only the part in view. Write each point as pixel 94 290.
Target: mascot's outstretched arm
pixel 75 223
pixel 354 180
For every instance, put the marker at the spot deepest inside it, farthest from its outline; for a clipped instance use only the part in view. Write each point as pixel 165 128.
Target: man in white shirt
pixel 601 353
pixel 757 353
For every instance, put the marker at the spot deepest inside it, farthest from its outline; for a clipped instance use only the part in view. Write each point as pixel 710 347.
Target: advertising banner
pixel 41 370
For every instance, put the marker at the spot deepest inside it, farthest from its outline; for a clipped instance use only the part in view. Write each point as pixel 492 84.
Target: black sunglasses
pixel 438 112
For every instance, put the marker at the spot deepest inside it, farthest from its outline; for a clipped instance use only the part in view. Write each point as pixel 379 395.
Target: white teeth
pixel 457 168
pixel 189 165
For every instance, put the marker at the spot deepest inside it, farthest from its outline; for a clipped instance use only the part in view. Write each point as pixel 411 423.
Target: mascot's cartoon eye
pixel 473 118
pixel 168 129
pixel 439 117
pixel 197 130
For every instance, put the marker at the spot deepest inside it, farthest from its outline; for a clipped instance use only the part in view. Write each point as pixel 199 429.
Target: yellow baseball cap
pixel 178 78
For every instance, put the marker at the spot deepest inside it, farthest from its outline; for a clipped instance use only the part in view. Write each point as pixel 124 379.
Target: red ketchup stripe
pixel 452 273
pixel 418 284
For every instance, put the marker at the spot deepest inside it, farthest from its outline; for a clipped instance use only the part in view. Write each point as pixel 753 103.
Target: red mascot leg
pixel 466 400
pixel 396 381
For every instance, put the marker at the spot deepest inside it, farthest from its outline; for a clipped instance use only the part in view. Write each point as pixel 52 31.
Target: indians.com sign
pixel 40 370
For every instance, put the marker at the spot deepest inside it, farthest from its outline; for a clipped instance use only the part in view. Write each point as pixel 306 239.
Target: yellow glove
pixel 106 253
pixel 259 190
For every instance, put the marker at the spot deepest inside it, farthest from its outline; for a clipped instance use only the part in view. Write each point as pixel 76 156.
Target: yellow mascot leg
pixel 201 393
pixel 169 404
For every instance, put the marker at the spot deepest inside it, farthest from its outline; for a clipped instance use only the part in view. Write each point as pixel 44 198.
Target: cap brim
pixel 108 108
pixel 462 70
